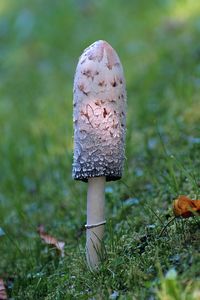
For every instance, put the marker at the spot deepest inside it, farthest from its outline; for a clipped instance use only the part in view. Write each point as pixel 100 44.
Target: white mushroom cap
pixel 99 114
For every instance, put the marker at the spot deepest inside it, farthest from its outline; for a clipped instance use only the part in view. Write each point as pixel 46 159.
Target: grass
pixel 158 43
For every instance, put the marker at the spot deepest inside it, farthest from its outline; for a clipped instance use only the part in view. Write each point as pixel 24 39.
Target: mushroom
pixel 99 133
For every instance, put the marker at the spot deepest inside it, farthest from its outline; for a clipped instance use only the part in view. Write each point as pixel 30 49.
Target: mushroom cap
pixel 99 114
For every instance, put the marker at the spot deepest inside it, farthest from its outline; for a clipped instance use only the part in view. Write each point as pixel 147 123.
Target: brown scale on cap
pixel 96 52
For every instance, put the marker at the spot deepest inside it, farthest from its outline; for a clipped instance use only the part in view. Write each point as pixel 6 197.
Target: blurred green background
pixel 159 47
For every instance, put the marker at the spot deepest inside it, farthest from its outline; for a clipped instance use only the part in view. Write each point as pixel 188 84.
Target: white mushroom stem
pixel 95 215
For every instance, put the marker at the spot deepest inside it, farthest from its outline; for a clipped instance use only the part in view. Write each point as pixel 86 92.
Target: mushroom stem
pixel 95 215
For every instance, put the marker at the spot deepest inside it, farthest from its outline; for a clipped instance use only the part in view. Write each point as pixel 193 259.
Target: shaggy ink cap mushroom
pixel 99 114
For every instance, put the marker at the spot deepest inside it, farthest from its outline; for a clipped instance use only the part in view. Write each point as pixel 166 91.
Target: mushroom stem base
pixel 95 215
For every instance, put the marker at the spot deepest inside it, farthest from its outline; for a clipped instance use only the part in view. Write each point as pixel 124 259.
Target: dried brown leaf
pixel 185 207
pixel 3 294
pixel 50 240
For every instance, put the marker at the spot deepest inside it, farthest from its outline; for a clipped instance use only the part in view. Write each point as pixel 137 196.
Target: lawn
pixel 159 47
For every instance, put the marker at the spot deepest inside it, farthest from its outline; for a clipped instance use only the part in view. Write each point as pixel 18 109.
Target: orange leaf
pixel 50 240
pixel 184 207
pixel 3 294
